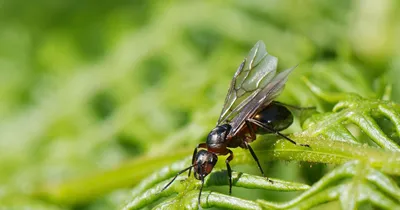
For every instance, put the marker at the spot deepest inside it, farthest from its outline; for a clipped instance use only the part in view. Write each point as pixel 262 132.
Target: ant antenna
pixel 180 172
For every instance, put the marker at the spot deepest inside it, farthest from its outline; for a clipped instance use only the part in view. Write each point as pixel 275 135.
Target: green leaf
pixel 362 174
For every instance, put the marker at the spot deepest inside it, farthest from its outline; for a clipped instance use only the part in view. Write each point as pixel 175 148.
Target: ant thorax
pixel 216 139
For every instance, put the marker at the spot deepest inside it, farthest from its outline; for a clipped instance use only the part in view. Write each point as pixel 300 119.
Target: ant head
pixel 204 164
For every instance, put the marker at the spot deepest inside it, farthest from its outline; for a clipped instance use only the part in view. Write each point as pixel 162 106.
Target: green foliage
pixel 362 177
pixel 100 97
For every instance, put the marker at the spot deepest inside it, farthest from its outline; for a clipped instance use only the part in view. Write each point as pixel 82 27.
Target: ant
pixel 249 109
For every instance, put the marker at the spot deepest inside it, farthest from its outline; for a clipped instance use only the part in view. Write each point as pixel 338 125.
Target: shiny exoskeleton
pixel 272 119
pixel 256 85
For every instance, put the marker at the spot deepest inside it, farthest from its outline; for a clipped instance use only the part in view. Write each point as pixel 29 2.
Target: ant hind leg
pixel 264 126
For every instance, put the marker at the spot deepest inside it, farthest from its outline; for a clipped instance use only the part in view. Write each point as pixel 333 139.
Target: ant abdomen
pixel 274 116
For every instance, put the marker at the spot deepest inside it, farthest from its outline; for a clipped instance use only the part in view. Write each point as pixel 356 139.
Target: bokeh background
pixel 89 87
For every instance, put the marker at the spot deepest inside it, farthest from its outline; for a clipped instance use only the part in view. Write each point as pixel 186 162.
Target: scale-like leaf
pixel 362 177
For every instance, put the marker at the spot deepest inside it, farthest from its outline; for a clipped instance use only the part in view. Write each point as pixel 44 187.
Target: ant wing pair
pixel 253 87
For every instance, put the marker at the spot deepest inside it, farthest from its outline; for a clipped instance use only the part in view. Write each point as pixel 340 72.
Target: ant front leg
pixel 202 145
pixel 266 127
pixel 253 136
pixel 228 167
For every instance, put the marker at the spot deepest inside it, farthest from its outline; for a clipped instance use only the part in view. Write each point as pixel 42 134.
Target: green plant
pixel 361 177
pixel 359 135
pixel 363 174
pixel 96 97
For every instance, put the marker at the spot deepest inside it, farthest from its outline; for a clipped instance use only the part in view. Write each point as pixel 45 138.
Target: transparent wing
pixel 260 100
pixel 253 74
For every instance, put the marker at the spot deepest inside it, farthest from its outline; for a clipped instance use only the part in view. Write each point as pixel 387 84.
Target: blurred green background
pixel 88 86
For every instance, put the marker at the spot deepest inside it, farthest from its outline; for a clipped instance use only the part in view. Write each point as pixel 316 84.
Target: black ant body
pixel 255 113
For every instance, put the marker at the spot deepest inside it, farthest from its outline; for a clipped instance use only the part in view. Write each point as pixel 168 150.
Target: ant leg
pixel 253 136
pixel 202 145
pixel 256 159
pixel 230 157
pixel 264 126
pixel 293 106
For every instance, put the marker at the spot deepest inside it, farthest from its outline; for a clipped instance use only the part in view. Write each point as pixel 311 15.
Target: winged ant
pixel 249 109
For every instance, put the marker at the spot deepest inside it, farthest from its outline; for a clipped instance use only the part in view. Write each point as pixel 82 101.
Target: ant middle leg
pixel 253 154
pixel 256 159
